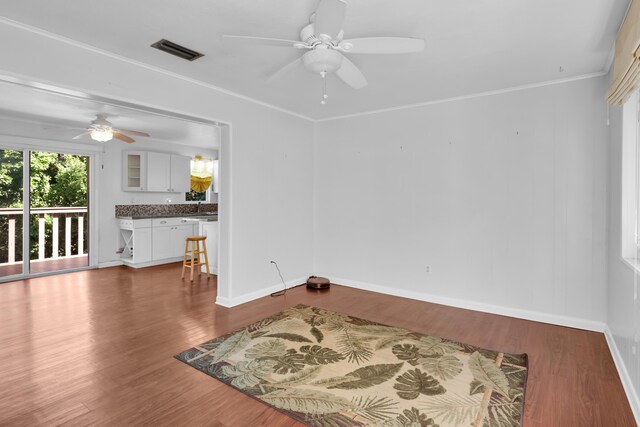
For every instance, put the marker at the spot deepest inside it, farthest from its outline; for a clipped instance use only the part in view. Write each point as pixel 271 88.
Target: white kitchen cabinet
pixel 158 172
pixel 169 173
pixel 134 170
pixel 135 240
pixel 169 236
pixel 210 230
pixel 180 173
pixel 162 243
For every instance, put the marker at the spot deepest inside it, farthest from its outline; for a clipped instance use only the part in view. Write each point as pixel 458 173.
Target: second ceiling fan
pixel 325 45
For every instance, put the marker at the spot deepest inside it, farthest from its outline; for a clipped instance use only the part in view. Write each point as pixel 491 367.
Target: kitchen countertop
pixel 204 216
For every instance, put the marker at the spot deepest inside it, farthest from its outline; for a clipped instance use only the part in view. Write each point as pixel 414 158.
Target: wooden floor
pixel 97 347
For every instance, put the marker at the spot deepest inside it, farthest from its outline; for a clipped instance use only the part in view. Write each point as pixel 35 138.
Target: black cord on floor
pixel 284 290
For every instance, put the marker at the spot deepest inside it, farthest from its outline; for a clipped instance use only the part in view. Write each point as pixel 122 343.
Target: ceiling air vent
pixel 177 50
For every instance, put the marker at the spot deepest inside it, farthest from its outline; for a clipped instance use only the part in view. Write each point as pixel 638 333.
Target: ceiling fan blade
pixel 262 40
pixel 282 71
pixel 81 135
pixel 123 137
pixel 330 17
pixel 351 75
pixel 132 132
pixel 383 45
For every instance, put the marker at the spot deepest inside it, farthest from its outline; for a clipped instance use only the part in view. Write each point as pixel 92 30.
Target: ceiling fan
pixel 325 45
pixel 102 130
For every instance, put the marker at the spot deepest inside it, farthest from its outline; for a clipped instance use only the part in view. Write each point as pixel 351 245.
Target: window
pixel 198 196
pixel 630 181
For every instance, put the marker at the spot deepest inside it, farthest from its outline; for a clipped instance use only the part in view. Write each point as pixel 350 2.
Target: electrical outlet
pixel 428 269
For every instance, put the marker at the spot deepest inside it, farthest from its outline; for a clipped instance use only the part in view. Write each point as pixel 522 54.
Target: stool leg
pixel 192 258
pixel 198 243
pixel 206 258
pixel 184 261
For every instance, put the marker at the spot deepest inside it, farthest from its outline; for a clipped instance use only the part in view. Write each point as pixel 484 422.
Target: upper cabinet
pixel 134 171
pixel 161 172
pixel 180 173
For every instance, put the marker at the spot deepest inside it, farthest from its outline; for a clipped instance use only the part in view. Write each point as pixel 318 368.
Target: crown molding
pixel 91 48
pixel 464 97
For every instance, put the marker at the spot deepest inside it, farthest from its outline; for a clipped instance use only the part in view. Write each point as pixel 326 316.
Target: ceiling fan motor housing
pixel 321 60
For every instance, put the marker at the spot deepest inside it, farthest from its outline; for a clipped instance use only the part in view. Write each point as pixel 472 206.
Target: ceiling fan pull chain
pixel 324 87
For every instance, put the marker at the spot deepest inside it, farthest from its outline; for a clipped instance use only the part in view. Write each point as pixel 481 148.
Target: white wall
pixel 110 191
pixel 267 164
pixel 504 196
pixel 624 312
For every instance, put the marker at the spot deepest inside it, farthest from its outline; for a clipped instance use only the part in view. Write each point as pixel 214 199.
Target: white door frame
pixel 27 145
pixel 224 154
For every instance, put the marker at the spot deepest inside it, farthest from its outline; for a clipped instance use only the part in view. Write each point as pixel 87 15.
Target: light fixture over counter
pixel 202 171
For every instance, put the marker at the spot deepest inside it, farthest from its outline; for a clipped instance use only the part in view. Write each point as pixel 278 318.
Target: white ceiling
pixel 42 114
pixel 472 46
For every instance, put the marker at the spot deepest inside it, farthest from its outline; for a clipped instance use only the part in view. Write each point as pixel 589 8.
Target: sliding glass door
pixel 52 217
pixel 11 212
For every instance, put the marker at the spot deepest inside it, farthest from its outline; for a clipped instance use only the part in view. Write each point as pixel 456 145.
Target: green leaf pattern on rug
pixel 414 382
pixel 308 401
pixel 329 369
pixel 445 367
pixel 316 355
pixel 488 374
pixel 247 374
pixel 369 376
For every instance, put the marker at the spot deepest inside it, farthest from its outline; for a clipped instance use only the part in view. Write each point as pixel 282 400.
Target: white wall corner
pixel 632 395
pixel 242 299
pixel 536 316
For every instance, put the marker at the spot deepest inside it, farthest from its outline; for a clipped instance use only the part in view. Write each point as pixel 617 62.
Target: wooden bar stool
pixel 192 255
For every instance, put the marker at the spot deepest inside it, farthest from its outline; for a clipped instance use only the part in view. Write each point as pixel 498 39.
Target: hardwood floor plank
pixel 96 348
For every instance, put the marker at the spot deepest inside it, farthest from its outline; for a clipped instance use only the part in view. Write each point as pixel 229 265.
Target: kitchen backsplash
pixel 167 209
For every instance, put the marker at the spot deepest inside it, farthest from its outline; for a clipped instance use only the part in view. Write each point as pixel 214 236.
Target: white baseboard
pixel 110 264
pixel 554 319
pixel 235 301
pixel 632 396
pixel 128 263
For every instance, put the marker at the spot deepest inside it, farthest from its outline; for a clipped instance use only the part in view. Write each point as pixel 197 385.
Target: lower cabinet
pixel 150 241
pixel 169 239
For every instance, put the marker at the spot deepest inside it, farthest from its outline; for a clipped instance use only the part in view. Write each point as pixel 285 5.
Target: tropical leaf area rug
pixel 329 369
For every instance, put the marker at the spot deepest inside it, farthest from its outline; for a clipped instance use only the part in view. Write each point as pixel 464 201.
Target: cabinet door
pixel 180 234
pixel 142 245
pixel 158 172
pixel 180 173
pixel 134 170
pixel 163 246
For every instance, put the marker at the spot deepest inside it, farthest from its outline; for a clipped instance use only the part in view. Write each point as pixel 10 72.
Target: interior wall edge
pixel 623 373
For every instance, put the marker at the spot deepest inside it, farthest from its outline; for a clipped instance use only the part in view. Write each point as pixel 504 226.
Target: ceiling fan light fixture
pixel 102 134
pixel 322 60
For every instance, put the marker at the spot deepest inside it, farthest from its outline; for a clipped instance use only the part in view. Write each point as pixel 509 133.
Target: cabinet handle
pixel 163 222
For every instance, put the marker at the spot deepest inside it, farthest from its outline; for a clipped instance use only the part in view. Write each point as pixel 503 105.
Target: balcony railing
pixel 58 214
